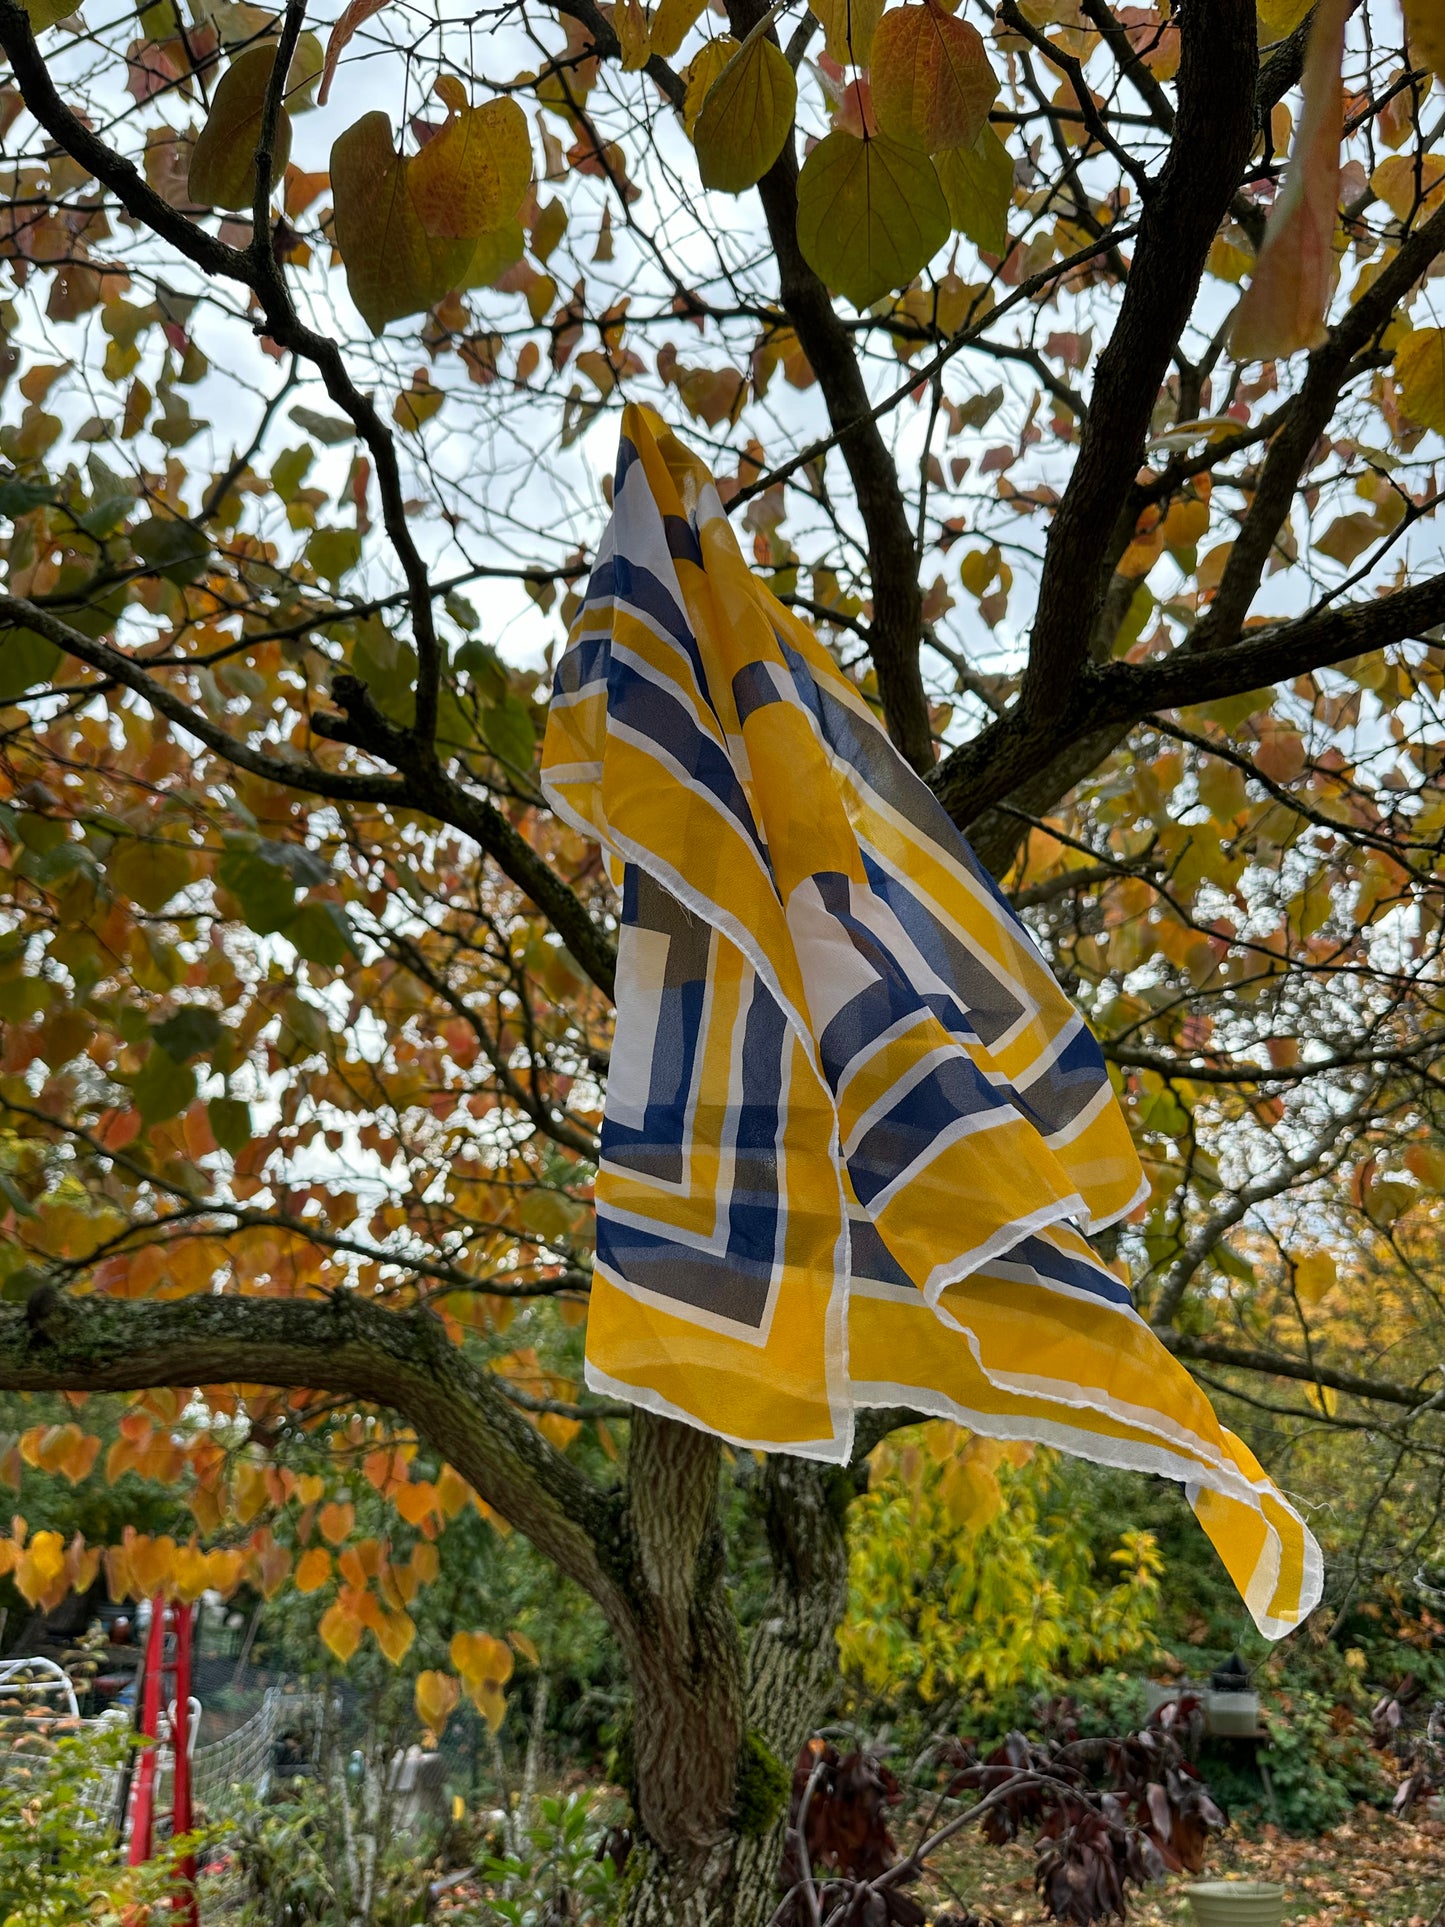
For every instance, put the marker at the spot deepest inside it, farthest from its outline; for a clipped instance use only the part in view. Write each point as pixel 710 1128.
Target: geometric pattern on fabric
pixel 855 1134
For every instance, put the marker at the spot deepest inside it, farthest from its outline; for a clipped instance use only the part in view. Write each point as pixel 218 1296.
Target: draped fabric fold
pixel 855 1134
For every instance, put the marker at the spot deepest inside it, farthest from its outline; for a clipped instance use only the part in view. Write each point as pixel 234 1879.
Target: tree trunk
pixel 725 1873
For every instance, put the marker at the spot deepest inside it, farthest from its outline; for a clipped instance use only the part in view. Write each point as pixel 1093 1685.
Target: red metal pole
pixel 143 1791
pixel 184 1903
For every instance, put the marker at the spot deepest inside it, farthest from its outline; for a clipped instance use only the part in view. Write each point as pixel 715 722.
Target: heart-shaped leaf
pixel 932 81
pixel 871 214
pixel 746 117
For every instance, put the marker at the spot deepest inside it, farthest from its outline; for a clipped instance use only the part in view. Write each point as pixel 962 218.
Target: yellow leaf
pixel 1278 18
pixel 223 160
pixel 1425 25
pixel 525 1647
pixel 49 13
pixel 1314 1275
pixel 418 403
pixel 932 81
pixel 701 72
pixel 1420 371
pixel 452 1491
pixel 471 178
pixel 40 1567
pixel 848 28
pixel 313 1569
pixel 341 1631
pixel 871 214
pixel 971 1494
pixel 746 117
pixel 478 1657
pixel 394 1633
pixel 248 1490
pixel 1403 185
pixel 309 1488
pixel 393 266
pixel 336 1522
pixel 436 1698
pixel 633 35
pixel 228 1568
pixel 425 1562
pixel 672 23
pixel 1284 307
pixel 1427 1163
pixel 190 1573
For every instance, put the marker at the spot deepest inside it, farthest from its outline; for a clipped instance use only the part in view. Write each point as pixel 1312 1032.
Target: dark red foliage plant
pixel 1106 1816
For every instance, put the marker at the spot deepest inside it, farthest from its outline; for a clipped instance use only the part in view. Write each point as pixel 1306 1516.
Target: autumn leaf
pixel 931 77
pixel 978 184
pixel 470 178
pixel 871 214
pixel 340 1630
pixel 337 1522
pixel 1420 371
pixel 671 24
pixel 436 1698
pixel 485 1665
pixel 701 74
pixel 1425 26
pixel 746 117
pixel 393 266
pixel 313 1569
pixel 223 160
pixel 1285 305
pixel 848 28
pixel 355 15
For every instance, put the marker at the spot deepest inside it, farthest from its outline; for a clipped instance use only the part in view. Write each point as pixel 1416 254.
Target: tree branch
pixel 1213 133
pixel 897 626
pixel 402 1361
pixel 1250 1358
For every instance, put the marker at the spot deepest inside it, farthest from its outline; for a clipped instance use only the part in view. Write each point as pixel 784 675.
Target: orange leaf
pixel 931 78
pixel 1285 305
pixel 347 21
pixel 313 1569
pixel 336 1522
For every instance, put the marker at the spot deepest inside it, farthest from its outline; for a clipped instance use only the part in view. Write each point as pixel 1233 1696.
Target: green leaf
pixel 746 117
pixel 871 214
pixel 21 1286
pixel 223 161
pixel 393 266
pixel 321 934
pixel 230 1119
pixel 193 1031
pixel 25 660
pixel 172 548
pixel 150 874
pixel 330 429
pixel 493 255
pixel 508 733
pixel 978 184
pixel 18 498
pixel 387 665
pixel 264 888
pixel 162 1088
pixel 333 553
